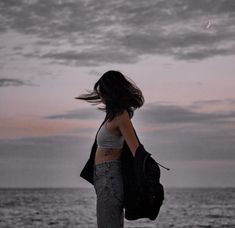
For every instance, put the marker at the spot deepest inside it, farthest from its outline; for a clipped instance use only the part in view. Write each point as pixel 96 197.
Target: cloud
pixel 4 82
pixel 181 133
pixel 184 133
pixel 88 33
pixel 162 116
pixel 52 161
pixel 85 113
pixel 187 143
pixel 192 143
pixel 63 146
pixel 47 151
pixel 202 103
pixel 167 114
pixel 86 58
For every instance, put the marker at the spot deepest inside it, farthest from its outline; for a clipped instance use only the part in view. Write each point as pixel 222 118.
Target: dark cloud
pixel 85 113
pixel 167 114
pixel 186 133
pixel 187 143
pixel 86 58
pixel 206 103
pixel 51 161
pixel 48 149
pixel 96 32
pixel 14 82
pixel 163 113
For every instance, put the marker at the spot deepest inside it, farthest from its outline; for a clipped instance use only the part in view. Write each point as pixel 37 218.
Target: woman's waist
pixel 107 154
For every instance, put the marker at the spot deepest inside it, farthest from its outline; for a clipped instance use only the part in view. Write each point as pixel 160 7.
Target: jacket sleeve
pixel 87 171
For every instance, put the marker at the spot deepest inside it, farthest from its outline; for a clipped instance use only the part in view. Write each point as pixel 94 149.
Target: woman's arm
pixel 127 130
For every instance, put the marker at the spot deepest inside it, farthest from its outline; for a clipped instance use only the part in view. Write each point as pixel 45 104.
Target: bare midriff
pixel 106 154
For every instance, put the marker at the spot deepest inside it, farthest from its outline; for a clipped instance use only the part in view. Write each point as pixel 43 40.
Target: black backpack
pixel 144 192
pixel 151 191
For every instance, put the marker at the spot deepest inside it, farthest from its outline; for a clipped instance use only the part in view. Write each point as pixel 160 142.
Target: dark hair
pixel 117 93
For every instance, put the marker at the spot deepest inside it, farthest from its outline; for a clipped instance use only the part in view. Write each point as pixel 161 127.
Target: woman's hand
pixel 127 130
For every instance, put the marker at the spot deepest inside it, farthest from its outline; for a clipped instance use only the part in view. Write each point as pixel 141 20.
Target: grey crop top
pixel 105 139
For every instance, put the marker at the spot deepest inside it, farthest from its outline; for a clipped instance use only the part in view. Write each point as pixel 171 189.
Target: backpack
pixel 145 193
pixel 151 190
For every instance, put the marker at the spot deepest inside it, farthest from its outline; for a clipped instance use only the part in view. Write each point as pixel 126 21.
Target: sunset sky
pixel 179 53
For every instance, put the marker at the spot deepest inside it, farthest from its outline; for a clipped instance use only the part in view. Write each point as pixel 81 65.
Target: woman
pixel 120 97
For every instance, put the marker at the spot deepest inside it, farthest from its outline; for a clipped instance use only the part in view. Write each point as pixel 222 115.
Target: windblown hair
pixel 117 93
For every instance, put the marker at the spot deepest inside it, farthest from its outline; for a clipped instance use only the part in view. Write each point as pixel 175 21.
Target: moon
pixel 208 24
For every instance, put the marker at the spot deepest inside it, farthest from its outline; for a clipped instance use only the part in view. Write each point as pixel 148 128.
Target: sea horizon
pixel 165 187
pixel 74 207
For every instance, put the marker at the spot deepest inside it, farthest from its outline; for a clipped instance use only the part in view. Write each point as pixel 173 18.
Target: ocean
pixel 75 207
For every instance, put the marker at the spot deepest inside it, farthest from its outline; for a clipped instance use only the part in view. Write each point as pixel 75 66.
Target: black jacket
pixel 132 177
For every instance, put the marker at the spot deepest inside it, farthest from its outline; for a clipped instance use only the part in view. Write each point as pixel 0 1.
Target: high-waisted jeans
pixel 108 186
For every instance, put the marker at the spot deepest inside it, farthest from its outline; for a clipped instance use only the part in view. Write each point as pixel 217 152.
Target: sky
pixel 179 53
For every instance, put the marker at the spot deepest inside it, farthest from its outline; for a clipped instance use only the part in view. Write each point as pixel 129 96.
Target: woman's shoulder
pixel 123 117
